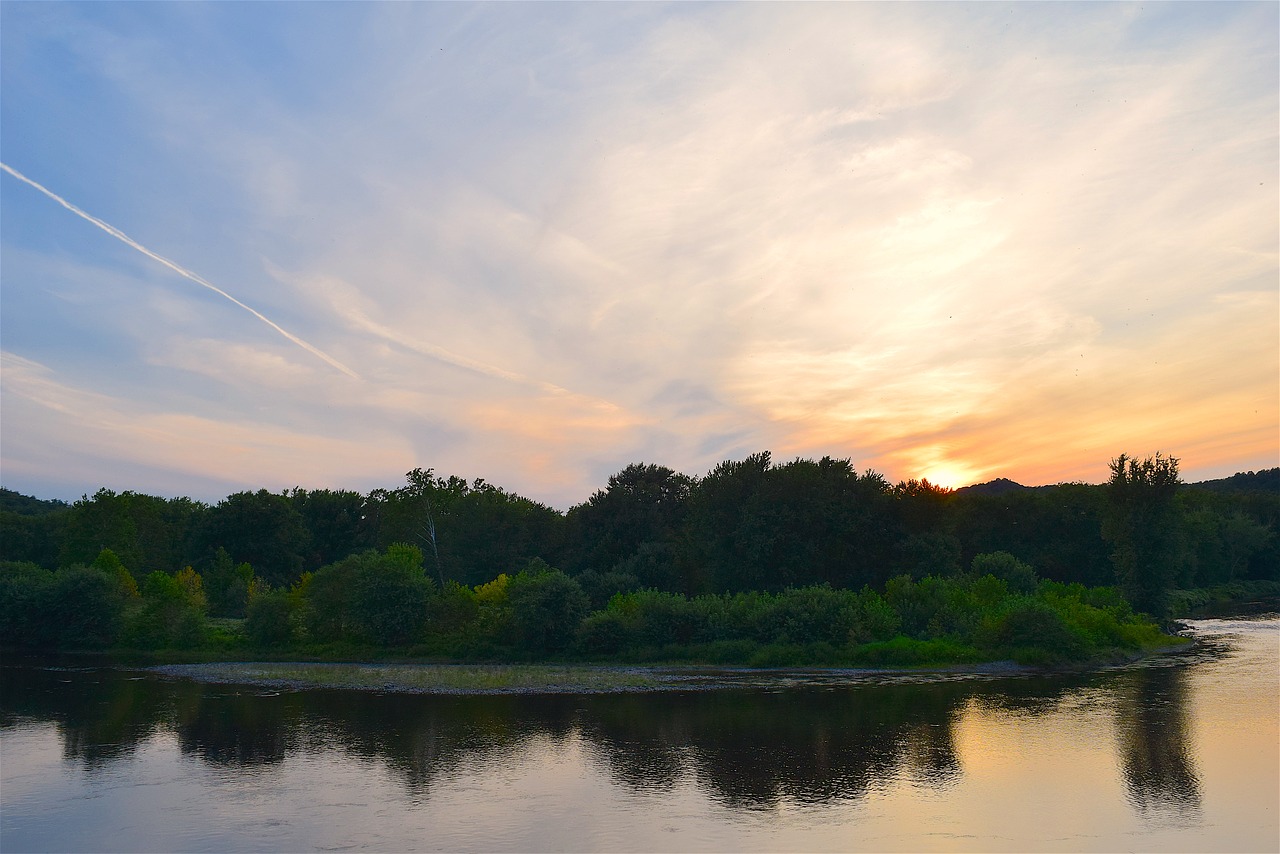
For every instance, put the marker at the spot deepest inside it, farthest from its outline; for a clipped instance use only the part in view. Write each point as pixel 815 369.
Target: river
pixel 1179 752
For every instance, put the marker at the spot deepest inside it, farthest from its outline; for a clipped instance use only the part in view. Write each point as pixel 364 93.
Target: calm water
pixel 1176 754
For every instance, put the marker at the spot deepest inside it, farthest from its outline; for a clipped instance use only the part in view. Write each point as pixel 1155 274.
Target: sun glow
pixel 946 476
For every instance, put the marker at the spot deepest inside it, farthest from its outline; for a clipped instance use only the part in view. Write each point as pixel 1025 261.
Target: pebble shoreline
pixel 613 680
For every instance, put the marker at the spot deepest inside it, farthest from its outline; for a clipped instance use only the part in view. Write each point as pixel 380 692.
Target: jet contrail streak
pixel 181 271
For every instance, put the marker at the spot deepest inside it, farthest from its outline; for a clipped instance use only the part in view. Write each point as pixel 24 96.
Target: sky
pixel 267 245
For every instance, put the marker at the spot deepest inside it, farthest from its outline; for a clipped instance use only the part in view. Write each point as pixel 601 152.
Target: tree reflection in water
pixel 1153 729
pixel 747 749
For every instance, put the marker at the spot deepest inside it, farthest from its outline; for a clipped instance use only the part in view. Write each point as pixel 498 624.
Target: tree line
pixel 476 570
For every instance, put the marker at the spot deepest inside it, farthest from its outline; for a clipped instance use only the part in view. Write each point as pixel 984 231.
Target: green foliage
pixel 603 633
pixel 169 616
pixel 546 608
pixel 388 607
pixel 1221 539
pixel 26 505
pixel 1186 603
pixel 1057 529
pixel 269 621
pixel 916 603
pixel 451 610
pixel 227 585
pixel 24 602
pixel 87 606
pixel 262 529
pixel 108 564
pixel 633 525
pixel 33 538
pixel 465 529
pixel 1034 625
pixel 756 526
pixel 874 618
pixel 600 587
pixel 754 562
pixel 369 597
pixel 146 532
pixel 1018 576
pixel 336 524
pixel 903 651
pixel 75 608
pixel 930 553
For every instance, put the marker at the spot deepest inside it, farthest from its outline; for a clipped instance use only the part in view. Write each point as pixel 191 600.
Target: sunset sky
pixel 321 244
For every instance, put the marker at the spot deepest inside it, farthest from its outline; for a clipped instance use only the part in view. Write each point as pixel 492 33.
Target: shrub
pixel 1019 576
pixel 546 608
pixel 1033 625
pixel 388 604
pixel 602 633
pixel 917 603
pixel 903 651
pixel 24 602
pixel 451 609
pixel 811 614
pixel 874 619
pixel 778 655
pixel 371 596
pixel 167 616
pixel 268 618
pixel 87 607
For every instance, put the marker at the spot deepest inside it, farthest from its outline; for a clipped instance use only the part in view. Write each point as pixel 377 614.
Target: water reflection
pixel 747 749
pixel 1155 745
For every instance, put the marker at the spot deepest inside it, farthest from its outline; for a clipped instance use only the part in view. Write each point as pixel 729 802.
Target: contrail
pixel 181 271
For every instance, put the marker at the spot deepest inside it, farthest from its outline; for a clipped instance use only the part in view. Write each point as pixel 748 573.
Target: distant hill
pixel 25 505
pixel 999 486
pixel 1267 480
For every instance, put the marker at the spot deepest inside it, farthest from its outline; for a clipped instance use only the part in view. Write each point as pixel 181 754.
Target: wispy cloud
pixel 181 271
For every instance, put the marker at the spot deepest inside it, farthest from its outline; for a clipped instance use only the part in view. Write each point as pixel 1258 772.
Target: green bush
pixel 778 655
pixel 811 614
pixel 369 597
pixel 268 618
pixel 903 651
pixel 1034 625
pixel 25 616
pixel 166 618
pixel 874 618
pixel 87 607
pixel 1019 576
pixel 603 633
pixel 547 607
pixel 451 609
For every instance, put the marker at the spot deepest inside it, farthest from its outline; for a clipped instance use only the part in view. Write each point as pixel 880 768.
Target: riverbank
pixel 466 679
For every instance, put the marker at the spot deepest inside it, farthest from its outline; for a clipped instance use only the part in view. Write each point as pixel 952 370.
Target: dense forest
pixel 808 560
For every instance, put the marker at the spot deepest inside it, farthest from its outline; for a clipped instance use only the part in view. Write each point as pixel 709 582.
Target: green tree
pixel 1142 527
pixel 107 563
pixel 546 608
pixel 262 529
pixel 227 585
pixel 337 524
pixel 372 597
pixel 464 529
pixel 268 619
pixel 87 606
pixel 756 526
pixel 1018 576
pixel 643 505
pixel 171 614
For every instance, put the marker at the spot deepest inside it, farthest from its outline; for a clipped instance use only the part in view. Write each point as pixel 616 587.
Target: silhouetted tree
pixel 1141 525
